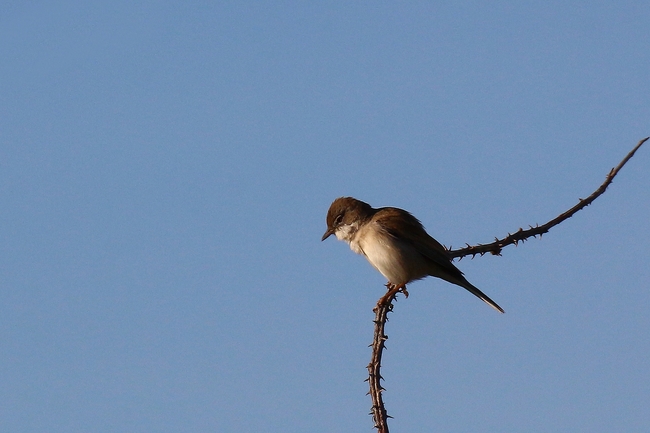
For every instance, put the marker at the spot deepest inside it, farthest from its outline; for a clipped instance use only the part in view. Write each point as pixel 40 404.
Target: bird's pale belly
pixel 398 262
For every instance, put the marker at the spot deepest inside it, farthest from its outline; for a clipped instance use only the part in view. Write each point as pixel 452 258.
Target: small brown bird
pixel 395 243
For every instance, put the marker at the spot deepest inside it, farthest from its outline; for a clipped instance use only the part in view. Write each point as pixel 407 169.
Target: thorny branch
pixel 385 303
pixel 378 411
pixel 521 234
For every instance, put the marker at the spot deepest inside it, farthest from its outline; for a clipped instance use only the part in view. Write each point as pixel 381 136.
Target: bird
pixel 396 244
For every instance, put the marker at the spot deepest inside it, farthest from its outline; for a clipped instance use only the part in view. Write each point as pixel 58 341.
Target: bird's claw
pixel 393 289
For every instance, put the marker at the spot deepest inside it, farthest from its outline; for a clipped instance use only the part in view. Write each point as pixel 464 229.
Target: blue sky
pixel 166 168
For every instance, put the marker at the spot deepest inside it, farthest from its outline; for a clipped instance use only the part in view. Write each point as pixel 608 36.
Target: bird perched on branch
pixel 396 244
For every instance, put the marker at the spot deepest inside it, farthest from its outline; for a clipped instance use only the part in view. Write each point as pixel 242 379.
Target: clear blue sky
pixel 166 168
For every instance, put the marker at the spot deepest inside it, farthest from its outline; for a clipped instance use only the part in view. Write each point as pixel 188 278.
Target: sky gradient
pixel 166 169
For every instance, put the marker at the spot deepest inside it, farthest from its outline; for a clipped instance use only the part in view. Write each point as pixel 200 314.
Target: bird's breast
pixel 394 259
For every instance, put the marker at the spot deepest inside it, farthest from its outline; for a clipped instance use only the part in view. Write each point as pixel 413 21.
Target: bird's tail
pixel 462 282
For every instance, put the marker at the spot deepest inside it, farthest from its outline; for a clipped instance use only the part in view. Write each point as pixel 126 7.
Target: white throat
pixel 346 232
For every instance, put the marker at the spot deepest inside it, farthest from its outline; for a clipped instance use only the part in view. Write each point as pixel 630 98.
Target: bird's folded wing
pixel 413 233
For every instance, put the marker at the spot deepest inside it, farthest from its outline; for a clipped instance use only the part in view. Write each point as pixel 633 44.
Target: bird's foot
pixel 393 289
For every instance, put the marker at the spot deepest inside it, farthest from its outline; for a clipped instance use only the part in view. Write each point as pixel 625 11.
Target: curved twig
pixel 521 234
pixel 385 304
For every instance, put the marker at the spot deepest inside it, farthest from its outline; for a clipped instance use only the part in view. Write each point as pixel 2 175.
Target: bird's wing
pixel 413 233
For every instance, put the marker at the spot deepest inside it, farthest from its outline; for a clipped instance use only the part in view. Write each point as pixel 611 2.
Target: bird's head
pixel 344 217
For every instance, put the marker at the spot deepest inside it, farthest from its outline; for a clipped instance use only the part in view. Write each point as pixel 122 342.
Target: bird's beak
pixel 327 234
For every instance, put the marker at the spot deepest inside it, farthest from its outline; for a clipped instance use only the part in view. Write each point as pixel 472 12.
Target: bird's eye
pixel 338 219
